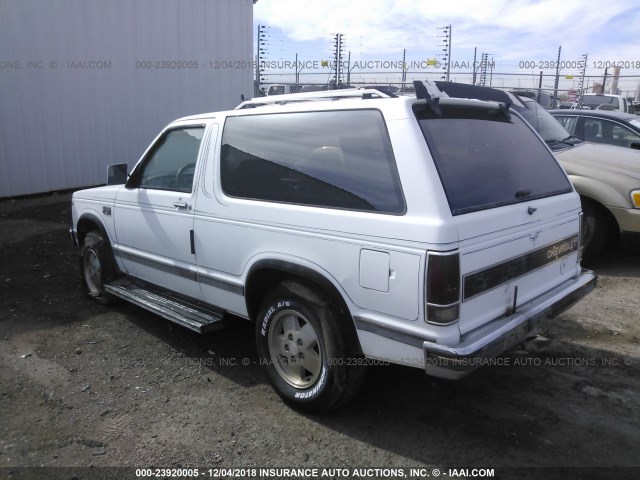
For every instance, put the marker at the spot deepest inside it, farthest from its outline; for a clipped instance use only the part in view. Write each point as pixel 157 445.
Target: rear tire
pixel 309 348
pixel 96 267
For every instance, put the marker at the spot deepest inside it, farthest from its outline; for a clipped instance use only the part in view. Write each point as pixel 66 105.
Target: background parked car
pixel 601 126
pixel 387 89
pixel 283 89
pixel 599 101
pixel 545 99
pixel 313 88
pixel 606 177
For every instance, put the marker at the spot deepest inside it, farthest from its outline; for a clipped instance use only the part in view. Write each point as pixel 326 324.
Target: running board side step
pixel 183 313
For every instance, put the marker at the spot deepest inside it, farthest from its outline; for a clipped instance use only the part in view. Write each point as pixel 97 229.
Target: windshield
pixel 635 122
pixel 547 127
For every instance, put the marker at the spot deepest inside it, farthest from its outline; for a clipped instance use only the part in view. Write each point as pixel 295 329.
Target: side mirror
pixel 117 174
pixel 635 145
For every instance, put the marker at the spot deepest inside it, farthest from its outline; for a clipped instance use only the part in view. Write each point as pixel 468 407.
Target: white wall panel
pixel 63 121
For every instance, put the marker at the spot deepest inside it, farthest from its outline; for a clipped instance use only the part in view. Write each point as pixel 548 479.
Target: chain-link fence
pixel 559 89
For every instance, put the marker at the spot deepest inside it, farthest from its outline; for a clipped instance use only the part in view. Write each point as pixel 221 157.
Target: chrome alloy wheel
pixel 92 271
pixel 295 349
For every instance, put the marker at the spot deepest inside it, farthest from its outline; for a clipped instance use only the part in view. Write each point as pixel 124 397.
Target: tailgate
pixel 512 254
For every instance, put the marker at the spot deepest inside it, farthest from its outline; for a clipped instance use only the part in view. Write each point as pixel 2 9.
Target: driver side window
pixel 171 164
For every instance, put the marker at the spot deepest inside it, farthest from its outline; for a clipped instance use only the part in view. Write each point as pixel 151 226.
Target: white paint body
pixel 376 262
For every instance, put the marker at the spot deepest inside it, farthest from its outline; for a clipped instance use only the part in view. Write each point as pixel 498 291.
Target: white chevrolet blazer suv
pixel 350 226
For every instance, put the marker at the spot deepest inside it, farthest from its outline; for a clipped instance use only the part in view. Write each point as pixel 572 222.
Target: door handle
pixel 180 205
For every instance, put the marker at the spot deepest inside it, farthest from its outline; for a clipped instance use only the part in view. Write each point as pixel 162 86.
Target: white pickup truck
pixel 350 226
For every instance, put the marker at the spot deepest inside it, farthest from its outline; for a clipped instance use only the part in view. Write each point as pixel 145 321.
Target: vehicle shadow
pixel 528 408
pixel 615 263
pixel 524 409
pixel 229 352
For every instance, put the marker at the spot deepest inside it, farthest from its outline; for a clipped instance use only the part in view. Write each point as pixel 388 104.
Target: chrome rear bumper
pixel 498 336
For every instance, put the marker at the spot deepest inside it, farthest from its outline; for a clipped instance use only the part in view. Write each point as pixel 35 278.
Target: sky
pixel 521 36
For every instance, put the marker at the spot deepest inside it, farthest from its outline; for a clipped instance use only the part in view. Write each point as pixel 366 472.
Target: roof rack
pixel 312 97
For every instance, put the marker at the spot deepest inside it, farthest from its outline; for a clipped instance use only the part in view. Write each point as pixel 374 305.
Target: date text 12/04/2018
pixel 577 64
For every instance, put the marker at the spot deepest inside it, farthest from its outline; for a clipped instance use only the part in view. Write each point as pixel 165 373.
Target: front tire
pixel 309 349
pixel 96 267
pixel 595 231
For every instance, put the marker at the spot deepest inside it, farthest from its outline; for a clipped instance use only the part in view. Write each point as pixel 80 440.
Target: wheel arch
pixel 613 228
pixel 264 274
pixel 601 192
pixel 89 222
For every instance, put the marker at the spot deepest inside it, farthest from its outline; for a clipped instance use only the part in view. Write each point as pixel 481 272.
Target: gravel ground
pixel 82 385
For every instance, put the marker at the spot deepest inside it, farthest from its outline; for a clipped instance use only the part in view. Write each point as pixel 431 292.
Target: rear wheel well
pixel 262 279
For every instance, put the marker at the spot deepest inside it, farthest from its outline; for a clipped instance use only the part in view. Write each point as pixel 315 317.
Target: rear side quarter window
pixel 337 159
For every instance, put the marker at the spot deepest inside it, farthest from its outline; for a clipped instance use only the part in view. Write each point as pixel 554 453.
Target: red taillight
pixel 442 287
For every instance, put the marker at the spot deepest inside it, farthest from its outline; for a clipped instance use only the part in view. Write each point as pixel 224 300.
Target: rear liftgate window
pixel 339 159
pixel 487 160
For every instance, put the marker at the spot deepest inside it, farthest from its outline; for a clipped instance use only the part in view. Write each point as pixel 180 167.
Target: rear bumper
pixel 493 339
